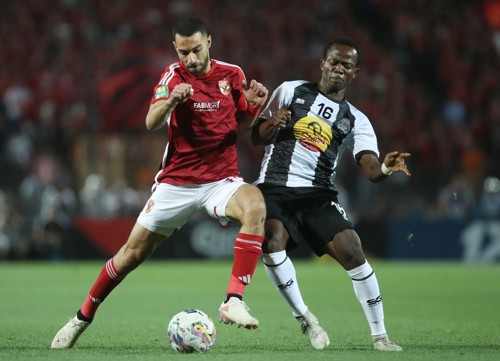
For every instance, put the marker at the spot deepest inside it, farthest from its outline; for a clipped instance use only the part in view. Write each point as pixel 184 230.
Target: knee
pixel 347 250
pixel 274 242
pixel 353 257
pixel 357 259
pixel 254 211
pixel 273 245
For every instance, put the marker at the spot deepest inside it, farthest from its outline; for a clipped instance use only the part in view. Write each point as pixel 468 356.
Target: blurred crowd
pixel 76 78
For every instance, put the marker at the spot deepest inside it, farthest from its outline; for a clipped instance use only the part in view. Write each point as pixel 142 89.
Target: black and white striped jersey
pixel 305 152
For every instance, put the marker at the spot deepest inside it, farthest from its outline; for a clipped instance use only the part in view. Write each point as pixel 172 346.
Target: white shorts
pixel 171 206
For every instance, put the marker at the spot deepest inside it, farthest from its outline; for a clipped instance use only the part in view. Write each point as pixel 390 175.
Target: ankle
pixel 82 317
pixel 229 295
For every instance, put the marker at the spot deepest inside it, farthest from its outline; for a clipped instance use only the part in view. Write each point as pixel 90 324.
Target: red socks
pixel 247 250
pixel 106 282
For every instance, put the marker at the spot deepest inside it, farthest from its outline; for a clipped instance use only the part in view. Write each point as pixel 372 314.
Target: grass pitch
pixel 435 311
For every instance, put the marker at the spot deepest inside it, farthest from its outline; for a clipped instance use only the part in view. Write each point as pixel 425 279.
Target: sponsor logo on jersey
pixel 374 301
pixel 206 106
pixel 300 101
pixel 161 92
pixel 224 87
pixel 313 133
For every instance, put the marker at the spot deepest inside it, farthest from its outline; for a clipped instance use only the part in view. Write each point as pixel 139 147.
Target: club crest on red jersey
pixel 225 87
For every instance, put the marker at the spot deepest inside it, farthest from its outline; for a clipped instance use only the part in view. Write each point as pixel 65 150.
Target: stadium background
pixel 76 162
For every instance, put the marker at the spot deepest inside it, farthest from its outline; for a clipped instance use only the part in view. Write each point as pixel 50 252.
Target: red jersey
pixel 202 131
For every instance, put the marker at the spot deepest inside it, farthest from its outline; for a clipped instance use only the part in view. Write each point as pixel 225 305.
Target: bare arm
pixel 394 162
pixel 256 95
pixel 159 111
pixel 265 129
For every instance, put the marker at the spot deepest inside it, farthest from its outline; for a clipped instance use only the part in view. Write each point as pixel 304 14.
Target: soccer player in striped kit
pixel 306 127
pixel 204 104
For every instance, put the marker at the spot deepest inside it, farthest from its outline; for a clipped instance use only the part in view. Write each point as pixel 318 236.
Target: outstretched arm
pixel 376 171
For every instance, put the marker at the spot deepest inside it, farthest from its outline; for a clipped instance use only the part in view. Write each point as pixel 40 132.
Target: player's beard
pixel 199 68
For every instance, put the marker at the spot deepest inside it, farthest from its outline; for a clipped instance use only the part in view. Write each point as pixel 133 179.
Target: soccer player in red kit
pixel 204 104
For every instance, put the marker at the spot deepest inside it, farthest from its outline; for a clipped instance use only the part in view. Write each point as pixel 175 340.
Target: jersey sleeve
pixel 365 139
pixel 241 101
pixel 168 80
pixel 281 98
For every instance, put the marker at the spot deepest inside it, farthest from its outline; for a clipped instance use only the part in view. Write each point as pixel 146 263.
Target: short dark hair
pixel 188 26
pixel 344 41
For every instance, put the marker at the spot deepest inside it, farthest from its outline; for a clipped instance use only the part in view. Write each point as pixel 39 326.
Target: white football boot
pixel 68 335
pixel 236 311
pixel 310 327
pixel 382 343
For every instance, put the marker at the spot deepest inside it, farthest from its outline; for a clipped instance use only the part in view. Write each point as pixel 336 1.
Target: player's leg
pixel 346 248
pixel 279 268
pixel 167 210
pixel 281 271
pixel 242 202
pixel 139 246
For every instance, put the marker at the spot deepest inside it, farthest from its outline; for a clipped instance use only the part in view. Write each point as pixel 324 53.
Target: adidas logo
pixel 95 300
pixel 245 279
pixel 300 101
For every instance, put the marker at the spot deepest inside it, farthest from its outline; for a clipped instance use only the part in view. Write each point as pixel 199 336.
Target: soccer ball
pixel 191 330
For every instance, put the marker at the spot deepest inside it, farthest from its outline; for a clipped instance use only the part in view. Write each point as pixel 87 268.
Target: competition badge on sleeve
pixel 161 92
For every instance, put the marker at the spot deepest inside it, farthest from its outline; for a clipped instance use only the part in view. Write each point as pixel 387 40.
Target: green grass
pixel 436 311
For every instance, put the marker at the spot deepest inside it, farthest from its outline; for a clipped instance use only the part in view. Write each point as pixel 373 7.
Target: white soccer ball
pixel 191 330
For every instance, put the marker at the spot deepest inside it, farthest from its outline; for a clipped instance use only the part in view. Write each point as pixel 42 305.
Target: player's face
pixel 193 52
pixel 339 68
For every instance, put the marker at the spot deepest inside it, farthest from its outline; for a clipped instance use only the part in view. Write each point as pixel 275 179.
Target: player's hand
pixel 395 161
pixel 181 92
pixel 255 93
pixel 280 118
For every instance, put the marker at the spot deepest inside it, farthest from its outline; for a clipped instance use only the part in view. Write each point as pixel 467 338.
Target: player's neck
pixel 209 67
pixel 335 95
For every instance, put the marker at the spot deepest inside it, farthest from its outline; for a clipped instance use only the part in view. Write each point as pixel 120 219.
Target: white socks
pixel 367 291
pixel 281 272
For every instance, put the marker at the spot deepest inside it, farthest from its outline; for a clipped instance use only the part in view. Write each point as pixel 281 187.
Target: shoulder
pixel 289 87
pixel 170 72
pixel 358 114
pixel 227 66
pixel 292 84
pixel 174 67
pixel 231 72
